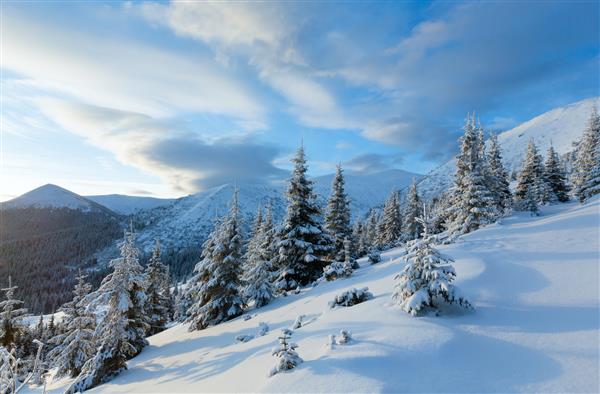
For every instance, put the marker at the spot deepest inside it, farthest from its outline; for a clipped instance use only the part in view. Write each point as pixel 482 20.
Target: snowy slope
pixel 559 127
pixel 52 196
pixel 534 283
pixel 127 205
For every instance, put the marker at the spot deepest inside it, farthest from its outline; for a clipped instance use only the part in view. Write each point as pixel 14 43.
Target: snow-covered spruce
pixel 498 176
pixel 411 228
pixel 257 276
pixel 427 277
pixel 389 228
pixel 531 184
pixel 77 344
pixel 120 335
pixel 556 177
pixel 344 337
pixel 359 235
pixel 472 203
pixel 374 256
pixel 351 297
pixel 303 246
pixel 337 216
pixel 586 175
pixel 287 358
pixel 263 329
pixel 214 287
pixel 159 302
pixel 11 317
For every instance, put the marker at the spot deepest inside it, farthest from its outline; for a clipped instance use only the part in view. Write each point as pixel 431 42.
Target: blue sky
pixel 165 99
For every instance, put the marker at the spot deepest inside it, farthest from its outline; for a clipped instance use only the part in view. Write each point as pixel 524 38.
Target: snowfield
pixel 535 286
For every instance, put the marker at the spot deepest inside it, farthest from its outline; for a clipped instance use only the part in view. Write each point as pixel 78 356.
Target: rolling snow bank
pixel 534 284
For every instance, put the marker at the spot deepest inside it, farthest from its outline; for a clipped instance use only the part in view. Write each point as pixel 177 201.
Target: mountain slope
pixel 52 196
pixel 127 205
pixel 534 285
pixel 559 127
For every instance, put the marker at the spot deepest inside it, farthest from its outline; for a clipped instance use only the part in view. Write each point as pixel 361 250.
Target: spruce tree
pixel 11 317
pixel 359 235
pixel 555 176
pixel 531 183
pixel 337 217
pixel 158 293
pixel 389 228
pixel 76 345
pixel 499 182
pixel 586 175
pixel 371 230
pixel 303 245
pixel 411 226
pixel 258 262
pixel 214 289
pixel 427 277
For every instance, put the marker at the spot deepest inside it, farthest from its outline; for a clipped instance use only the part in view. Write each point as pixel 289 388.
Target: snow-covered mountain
pixel 127 205
pixel 52 196
pixel 534 285
pixel 559 127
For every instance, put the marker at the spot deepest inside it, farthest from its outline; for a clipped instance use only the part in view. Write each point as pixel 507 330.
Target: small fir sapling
pixel 287 358
pixel 351 297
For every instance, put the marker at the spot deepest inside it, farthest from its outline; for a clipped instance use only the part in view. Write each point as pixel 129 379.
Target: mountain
pixel 52 196
pixel 127 205
pixel 534 286
pixel 559 127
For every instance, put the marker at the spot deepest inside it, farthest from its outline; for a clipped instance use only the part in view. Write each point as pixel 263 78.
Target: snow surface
pixel 560 127
pixel 52 196
pixel 533 281
pixel 127 205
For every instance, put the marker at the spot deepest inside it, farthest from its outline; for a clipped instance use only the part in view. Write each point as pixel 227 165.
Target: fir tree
pixel 411 226
pixel 214 288
pixel 371 230
pixel 555 177
pixel 158 293
pixel 11 317
pixel 472 203
pixel 427 276
pixel 531 183
pixel 40 332
pixel 287 357
pixel 499 182
pixel 76 345
pixel 389 228
pixel 303 246
pixel 586 176
pixel 337 217
pixel 257 274
pixel 359 235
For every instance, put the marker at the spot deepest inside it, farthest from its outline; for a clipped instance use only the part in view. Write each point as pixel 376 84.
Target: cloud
pixel 373 162
pixel 125 74
pixel 180 157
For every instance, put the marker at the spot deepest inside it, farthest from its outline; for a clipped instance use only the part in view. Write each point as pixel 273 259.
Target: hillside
pixel 534 284
pixel 127 205
pixel 559 127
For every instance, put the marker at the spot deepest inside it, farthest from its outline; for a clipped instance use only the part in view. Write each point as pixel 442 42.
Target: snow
pixel 127 205
pixel 535 328
pixel 560 127
pixel 52 196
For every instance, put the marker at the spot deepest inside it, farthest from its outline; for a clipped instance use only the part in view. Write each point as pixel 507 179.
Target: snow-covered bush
pixel 287 358
pixel 374 256
pixel 330 342
pixel 344 337
pixel 351 297
pixel 263 329
pixel 337 270
pixel 427 276
pixel 244 338
pixel 298 322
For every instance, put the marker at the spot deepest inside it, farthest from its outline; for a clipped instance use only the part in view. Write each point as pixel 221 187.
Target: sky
pixel 166 99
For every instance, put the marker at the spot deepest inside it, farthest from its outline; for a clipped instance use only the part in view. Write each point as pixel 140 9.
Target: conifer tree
pixel 337 217
pixel 11 317
pixel 214 289
pixel 427 276
pixel 303 246
pixel 555 176
pixel 371 230
pixel 472 203
pixel 158 293
pixel 531 177
pixel 77 344
pixel 586 175
pixel 359 235
pixel 389 228
pixel 40 331
pixel 287 357
pixel 258 267
pixel 499 182
pixel 411 226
